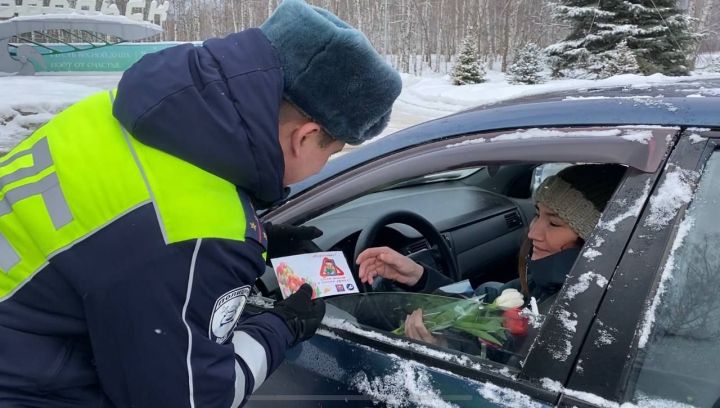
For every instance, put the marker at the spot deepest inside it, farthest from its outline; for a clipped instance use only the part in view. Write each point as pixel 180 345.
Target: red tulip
pixel 515 323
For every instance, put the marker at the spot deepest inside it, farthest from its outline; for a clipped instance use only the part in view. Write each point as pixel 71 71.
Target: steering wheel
pixel 424 227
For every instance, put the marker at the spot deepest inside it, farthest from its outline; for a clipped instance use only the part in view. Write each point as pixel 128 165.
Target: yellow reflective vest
pixel 81 171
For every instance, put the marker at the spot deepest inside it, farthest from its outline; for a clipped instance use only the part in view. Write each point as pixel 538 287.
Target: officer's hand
pixel 285 240
pixel 301 313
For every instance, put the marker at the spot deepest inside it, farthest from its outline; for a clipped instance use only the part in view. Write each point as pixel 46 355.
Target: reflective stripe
pixel 253 354
pixel 142 172
pixel 41 160
pixel 239 386
pixel 49 188
pixel 8 256
pixel 191 277
pixel 56 204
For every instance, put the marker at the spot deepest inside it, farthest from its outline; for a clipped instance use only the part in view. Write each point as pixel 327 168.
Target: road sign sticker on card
pixel 327 273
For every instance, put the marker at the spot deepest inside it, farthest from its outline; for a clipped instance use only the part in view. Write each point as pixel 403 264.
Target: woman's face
pixel 549 233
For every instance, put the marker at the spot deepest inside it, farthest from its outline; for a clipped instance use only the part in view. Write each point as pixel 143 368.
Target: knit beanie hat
pixel 578 194
pixel 332 73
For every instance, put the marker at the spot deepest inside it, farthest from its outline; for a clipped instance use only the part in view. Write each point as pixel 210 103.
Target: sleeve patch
pixel 226 312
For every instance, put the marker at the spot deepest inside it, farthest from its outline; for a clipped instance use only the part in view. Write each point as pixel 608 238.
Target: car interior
pixel 467 223
pixel 466 213
pixel 480 213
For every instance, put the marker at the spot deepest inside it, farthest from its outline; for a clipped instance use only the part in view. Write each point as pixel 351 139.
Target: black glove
pixel 301 313
pixel 285 240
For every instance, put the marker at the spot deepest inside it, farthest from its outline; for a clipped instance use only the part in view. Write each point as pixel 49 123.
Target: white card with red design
pixel 327 272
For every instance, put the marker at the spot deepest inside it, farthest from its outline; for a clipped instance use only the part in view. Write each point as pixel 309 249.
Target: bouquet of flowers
pixel 489 322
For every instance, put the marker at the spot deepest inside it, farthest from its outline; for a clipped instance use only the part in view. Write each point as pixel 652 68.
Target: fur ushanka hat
pixel 332 73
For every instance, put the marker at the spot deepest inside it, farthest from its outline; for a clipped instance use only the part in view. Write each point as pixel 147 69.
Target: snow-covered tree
pixel 658 33
pixel 621 60
pixel 714 65
pixel 576 49
pixel 527 66
pixel 467 69
pixel 664 38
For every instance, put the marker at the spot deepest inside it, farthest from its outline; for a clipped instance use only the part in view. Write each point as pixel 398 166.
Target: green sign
pixel 112 58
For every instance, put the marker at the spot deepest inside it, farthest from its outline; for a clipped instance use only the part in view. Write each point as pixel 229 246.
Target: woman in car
pixel 569 205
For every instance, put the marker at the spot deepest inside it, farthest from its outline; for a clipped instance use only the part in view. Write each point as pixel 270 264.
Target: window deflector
pixel 639 147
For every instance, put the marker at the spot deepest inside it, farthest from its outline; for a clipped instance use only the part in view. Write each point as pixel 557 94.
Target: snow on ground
pixel 28 102
pixel 432 96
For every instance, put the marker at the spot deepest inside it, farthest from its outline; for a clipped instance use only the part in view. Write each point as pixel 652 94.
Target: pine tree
pixel 528 66
pixel 664 40
pixel 467 70
pixel 621 60
pixel 657 31
pixel 714 65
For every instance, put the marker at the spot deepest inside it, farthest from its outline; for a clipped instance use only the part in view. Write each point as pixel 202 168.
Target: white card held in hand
pixel 327 272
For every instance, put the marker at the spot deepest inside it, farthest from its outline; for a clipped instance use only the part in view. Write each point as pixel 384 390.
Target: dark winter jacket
pixel 139 311
pixel 545 278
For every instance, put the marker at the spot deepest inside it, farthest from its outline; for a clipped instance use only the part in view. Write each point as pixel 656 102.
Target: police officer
pixel 128 235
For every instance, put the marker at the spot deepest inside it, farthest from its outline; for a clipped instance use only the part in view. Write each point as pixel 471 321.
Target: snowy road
pixel 28 102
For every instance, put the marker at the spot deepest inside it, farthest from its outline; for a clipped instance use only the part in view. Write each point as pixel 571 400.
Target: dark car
pixel 638 318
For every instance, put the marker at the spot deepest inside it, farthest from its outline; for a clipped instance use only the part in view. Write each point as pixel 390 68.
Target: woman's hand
pixel 389 264
pixel 415 329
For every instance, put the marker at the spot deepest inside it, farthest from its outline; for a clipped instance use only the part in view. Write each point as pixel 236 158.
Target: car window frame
pixel 599 256
pixel 535 366
pixel 539 363
pixel 606 368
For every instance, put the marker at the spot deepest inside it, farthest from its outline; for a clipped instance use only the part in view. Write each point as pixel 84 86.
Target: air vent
pixel 417 246
pixel 513 220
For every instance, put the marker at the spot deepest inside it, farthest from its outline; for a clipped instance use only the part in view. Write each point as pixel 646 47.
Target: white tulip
pixel 510 299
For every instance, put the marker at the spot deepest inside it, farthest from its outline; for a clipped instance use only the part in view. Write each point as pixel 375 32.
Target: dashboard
pixel 484 229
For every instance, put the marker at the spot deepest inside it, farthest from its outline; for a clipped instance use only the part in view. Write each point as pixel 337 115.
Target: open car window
pixel 466 325
pixel 485 230
pixel 483 215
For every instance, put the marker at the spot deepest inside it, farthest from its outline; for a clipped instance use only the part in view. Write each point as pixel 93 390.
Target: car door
pixel 656 337
pixel 355 365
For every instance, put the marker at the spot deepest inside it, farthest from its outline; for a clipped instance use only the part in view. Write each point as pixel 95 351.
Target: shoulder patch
pixel 226 312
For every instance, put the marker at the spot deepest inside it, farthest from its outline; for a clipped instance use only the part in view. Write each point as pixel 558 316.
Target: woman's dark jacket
pixel 545 278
